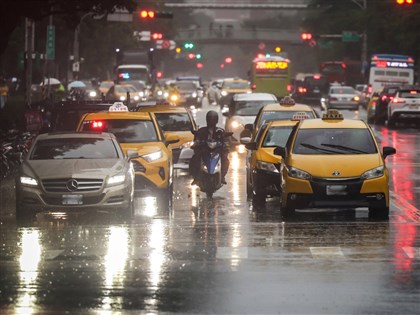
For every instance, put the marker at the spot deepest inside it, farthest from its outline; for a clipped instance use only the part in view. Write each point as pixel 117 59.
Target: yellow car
pixel 334 162
pixel 140 132
pixel 285 110
pixel 370 109
pixel 262 165
pixel 174 121
pixel 230 87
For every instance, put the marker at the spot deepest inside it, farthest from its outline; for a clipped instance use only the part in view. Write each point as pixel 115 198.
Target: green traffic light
pixel 188 45
pixel 198 56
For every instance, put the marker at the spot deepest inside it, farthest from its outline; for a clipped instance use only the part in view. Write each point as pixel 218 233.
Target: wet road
pixel 221 256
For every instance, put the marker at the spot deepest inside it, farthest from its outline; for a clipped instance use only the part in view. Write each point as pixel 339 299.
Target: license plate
pixel 334 190
pixel 72 199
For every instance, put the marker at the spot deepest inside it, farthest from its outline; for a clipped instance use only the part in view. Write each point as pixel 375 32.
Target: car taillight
pixel 398 101
pixel 384 97
pixel 370 89
pixel 289 87
pixel 98 125
pixel 302 90
pixel 413 92
pixel 254 86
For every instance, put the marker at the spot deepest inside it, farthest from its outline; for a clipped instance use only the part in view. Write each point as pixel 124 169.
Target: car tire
pixel 379 213
pixel 287 209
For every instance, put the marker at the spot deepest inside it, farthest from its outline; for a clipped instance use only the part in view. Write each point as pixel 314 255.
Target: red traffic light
pixel 199 65
pixel 191 56
pixel 228 60
pixel 147 14
pixel 157 36
pixel 159 74
pixel 306 36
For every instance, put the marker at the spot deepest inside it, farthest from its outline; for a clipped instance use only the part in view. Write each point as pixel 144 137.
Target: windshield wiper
pixel 310 146
pixel 344 148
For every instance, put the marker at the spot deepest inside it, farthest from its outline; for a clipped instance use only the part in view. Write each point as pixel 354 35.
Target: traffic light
pixel 152 14
pixel 178 50
pixel 147 14
pixel 188 45
pixel 191 56
pixel 199 65
pixel 198 56
pixel 228 60
pixel 157 36
pixel 277 49
pixel 306 36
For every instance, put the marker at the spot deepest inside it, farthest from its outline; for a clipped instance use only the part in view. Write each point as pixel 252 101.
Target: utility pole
pixel 29 48
pixel 362 4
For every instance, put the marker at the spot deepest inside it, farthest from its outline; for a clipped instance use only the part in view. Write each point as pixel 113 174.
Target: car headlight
pixel 165 94
pixel 235 124
pixel 136 97
pixel 186 145
pixel 141 94
pixel 374 173
pixel 224 93
pixel 174 97
pixel 297 173
pixel 92 94
pixel 122 98
pixel 150 157
pixel 26 180
pixel 194 94
pixel 116 179
pixel 269 167
pixel 160 93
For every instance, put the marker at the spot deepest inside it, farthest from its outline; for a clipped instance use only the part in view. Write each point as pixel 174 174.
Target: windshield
pixel 174 121
pixel 127 130
pixel 334 141
pixel 133 74
pixel 124 88
pixel 343 90
pixel 186 85
pixel 249 108
pixel 277 136
pixel 282 115
pixel 74 148
pixel 235 85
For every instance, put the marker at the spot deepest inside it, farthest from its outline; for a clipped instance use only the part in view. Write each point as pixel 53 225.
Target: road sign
pixel 142 36
pixel 50 49
pixel 76 66
pixel 349 36
pixel 165 44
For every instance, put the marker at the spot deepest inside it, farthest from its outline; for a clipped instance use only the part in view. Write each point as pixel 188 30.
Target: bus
pixel 133 72
pixel 334 71
pixel 387 69
pixel 271 75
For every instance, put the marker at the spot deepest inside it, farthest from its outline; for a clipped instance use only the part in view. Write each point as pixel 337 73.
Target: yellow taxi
pixel 262 165
pixel 230 87
pixel 370 109
pixel 140 132
pixel 334 162
pixel 174 121
pixel 284 110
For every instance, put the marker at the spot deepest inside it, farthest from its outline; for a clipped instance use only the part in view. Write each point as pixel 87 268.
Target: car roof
pixel 332 123
pixel 296 107
pixel 254 97
pixel 161 108
pixel 73 134
pixel 119 115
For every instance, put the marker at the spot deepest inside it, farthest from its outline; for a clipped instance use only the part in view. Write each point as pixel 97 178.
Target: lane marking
pixel 412 252
pixel 52 254
pixel 406 208
pixel 326 252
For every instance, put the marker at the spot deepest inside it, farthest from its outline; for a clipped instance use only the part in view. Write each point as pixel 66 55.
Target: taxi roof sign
pixel 300 116
pixel 332 114
pixel 287 100
pixel 118 107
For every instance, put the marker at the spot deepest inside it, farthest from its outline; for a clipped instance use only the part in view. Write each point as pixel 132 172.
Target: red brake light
pixel 317 76
pixel 289 87
pixel 343 65
pixel 398 101
pixel 97 124
pixel 301 90
pixel 384 97
pixel 413 92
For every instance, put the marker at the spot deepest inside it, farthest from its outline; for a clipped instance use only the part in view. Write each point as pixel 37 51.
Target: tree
pixel 12 12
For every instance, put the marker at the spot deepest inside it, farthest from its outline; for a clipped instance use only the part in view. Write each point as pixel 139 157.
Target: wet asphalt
pixel 221 256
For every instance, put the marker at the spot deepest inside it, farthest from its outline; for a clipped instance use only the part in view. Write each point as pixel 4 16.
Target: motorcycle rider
pixel 210 132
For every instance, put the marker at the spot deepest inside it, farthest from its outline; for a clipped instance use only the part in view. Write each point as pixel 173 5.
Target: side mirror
pixel 171 139
pixel 245 140
pixel 132 154
pixel 388 151
pixel 280 151
pixel 251 146
pixel 249 127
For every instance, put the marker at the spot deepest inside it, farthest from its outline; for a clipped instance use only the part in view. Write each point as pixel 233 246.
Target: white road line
pixel 326 252
pixel 412 252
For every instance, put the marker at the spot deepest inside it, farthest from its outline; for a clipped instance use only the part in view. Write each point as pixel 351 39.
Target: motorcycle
pixel 210 175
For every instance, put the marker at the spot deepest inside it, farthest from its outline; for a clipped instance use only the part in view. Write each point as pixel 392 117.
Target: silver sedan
pixel 342 97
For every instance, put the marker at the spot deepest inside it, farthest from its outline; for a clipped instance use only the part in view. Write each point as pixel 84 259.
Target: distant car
pixel 363 93
pixel 334 162
pixel 233 86
pixel 371 108
pixel 189 93
pixel 104 86
pixel 381 110
pixel 311 89
pixel 75 171
pixel 243 109
pixel 342 97
pixel 404 105
pixel 118 92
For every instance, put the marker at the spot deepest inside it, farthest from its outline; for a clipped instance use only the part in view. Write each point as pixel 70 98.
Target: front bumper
pixel 324 192
pixel 267 183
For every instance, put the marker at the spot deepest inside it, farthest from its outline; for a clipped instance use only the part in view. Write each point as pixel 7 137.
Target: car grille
pixel 91 200
pixel 72 184
pixel 175 154
pixel 319 187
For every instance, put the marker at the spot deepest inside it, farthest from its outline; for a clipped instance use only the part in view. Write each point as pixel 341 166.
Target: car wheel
pixel 287 209
pixel 379 213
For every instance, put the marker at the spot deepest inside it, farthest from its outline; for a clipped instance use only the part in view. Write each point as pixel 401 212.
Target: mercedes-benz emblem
pixel 72 185
pixel 336 173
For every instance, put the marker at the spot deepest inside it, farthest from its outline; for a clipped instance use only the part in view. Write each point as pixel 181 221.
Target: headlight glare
pixel 297 173
pixel 374 173
pixel 116 179
pixel 152 156
pixel 224 93
pixel 25 180
pixel 194 94
pixel 92 94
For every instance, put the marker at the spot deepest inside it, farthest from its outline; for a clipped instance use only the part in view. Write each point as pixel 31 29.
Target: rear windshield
pixel 334 141
pixel 282 115
pixel 343 90
pixel 410 94
pixel 235 85
pixel 186 85
pixel 174 121
pixel 125 130
pixel 74 148
pixel 249 108
pixel 277 136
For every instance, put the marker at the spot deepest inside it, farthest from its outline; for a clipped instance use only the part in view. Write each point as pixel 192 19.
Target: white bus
pixel 133 72
pixel 388 69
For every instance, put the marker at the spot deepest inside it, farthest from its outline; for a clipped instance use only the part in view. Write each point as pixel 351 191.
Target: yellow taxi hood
pixel 142 148
pixel 267 155
pixel 349 165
